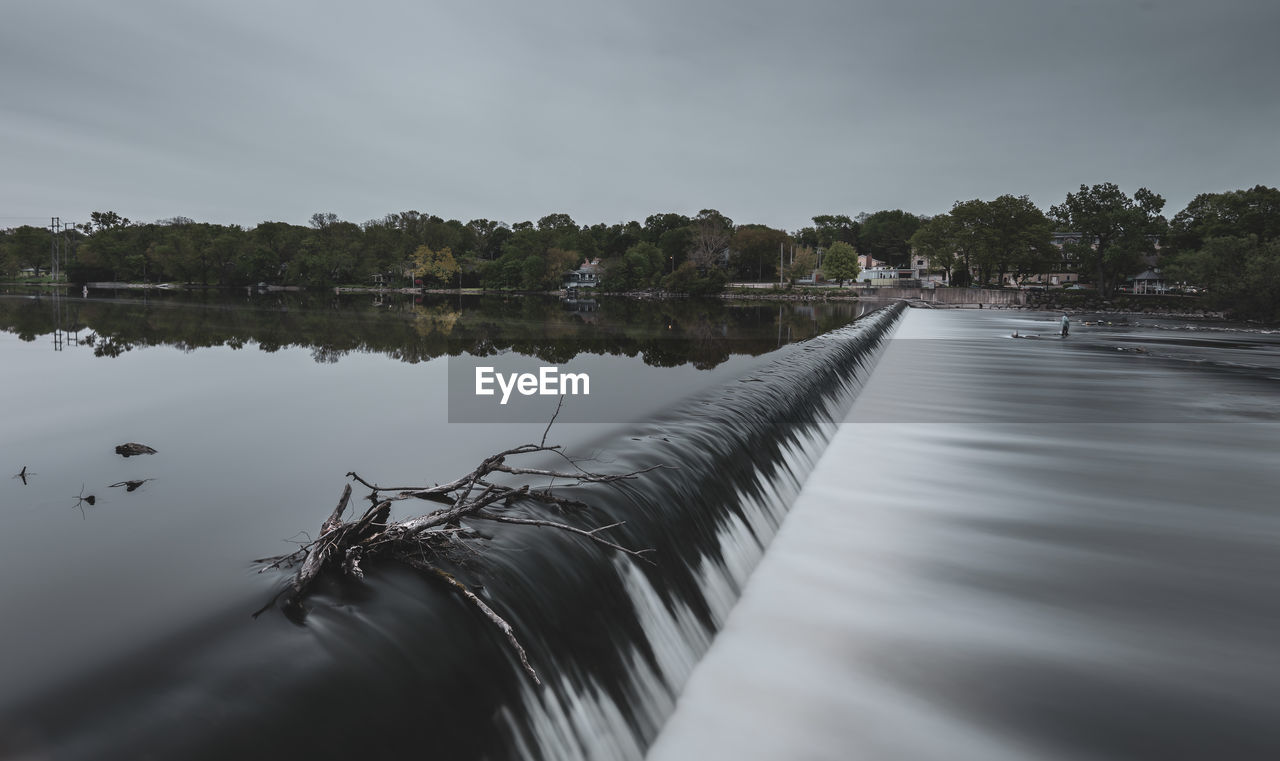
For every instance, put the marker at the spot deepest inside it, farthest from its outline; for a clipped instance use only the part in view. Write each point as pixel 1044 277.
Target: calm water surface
pixel 258 405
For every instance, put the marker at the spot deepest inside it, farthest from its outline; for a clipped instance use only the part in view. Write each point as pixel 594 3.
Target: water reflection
pixel 704 333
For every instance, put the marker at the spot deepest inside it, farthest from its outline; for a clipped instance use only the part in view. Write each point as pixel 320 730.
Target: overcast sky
pixel 611 110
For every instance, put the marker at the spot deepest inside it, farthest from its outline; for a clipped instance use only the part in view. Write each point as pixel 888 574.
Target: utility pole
pixel 54 224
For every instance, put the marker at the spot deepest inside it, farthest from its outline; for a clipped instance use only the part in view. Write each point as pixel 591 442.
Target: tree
pixel 756 251
pixel 840 263
pixel 1238 213
pixel 323 219
pixel 29 246
pixel 936 241
pixel 106 220
pixel 887 234
pixel 970 239
pixel 489 237
pixel 640 267
pixel 1117 230
pixel 438 266
pixel 675 245
pixel 829 228
pixel 657 225
pixel 1017 237
pixel 709 239
pixel 804 264
pixel 1241 273
pixel 687 279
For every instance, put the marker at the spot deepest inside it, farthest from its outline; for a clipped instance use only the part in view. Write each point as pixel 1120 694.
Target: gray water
pixel 134 636
pixel 998 556
pixel 1020 548
pixel 258 407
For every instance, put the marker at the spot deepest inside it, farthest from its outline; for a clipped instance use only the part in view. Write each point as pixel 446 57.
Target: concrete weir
pixel 1003 555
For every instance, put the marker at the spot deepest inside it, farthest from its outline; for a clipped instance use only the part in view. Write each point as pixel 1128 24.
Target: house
pixel 587 275
pixel 1150 281
pixel 925 273
pixel 868 262
pixel 884 275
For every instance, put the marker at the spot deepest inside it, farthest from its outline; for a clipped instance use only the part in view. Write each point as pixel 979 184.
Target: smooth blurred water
pixel 1020 548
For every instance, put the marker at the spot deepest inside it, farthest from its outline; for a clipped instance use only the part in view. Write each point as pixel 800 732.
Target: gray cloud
pixel 769 111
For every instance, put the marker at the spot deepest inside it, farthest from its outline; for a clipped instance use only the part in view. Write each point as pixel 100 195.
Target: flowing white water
pixel 1051 585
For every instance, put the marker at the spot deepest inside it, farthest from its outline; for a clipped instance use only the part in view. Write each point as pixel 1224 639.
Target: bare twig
pixel 552 421
pixel 82 500
pixel 590 534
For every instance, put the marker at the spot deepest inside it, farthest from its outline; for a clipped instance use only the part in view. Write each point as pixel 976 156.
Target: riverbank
pixel 1072 302
pixel 1079 302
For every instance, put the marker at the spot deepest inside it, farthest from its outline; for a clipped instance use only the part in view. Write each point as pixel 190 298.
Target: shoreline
pixel 1120 304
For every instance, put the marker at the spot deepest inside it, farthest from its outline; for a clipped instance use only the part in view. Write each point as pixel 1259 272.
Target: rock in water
pixel 129 450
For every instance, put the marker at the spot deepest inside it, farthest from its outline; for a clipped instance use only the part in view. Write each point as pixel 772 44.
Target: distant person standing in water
pixel 1066 325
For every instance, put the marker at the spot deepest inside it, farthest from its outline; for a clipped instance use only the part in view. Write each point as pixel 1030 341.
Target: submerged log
pixel 131 449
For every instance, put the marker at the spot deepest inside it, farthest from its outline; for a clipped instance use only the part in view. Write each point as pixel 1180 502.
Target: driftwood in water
pixel 343 545
pixel 131 449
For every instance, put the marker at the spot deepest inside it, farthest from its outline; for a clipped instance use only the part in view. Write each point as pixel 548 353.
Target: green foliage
pixel 1019 238
pixel 26 246
pixel 1118 230
pixel 639 268
pixel 1229 243
pixel 688 279
pixel 989 239
pixel 827 229
pixel 840 263
pixel 437 267
pixel 1238 213
pixel 886 235
pixel 937 241
pixel 804 264
pixel 1242 275
pixel 756 252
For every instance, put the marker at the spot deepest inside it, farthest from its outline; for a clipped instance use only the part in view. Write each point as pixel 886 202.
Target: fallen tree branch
pixel 488 612
pixel 346 546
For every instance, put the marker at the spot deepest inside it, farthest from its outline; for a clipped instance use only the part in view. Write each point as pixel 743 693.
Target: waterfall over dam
pixel 1020 548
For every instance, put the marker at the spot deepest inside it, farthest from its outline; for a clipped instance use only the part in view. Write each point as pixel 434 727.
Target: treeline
pixel 1225 242
pixel 691 254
